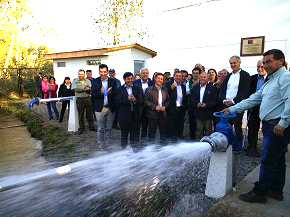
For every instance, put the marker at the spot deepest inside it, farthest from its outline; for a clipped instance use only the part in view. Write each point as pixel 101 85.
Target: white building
pixel 129 58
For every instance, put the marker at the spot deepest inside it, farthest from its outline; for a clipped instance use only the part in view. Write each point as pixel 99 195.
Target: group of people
pixel 142 105
pixel 47 88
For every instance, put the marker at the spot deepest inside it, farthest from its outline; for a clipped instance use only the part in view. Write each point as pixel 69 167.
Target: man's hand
pixel 226 111
pixel 109 90
pixel 162 108
pixel 157 108
pixel 132 98
pixel 228 103
pixel 279 131
pixel 198 105
pixel 102 90
pixel 87 88
pixel 173 85
pixel 203 105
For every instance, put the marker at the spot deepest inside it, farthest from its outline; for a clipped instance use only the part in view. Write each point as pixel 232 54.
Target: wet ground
pixel 19 153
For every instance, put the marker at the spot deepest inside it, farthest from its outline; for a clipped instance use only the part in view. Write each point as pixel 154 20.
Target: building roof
pixel 96 52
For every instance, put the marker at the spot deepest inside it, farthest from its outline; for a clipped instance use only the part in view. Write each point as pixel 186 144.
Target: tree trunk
pixel 10 50
pixel 116 23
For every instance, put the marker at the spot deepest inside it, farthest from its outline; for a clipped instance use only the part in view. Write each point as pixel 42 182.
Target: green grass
pixel 54 138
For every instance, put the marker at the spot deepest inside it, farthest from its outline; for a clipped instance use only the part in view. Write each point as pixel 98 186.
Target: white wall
pixel 122 61
pixel 73 66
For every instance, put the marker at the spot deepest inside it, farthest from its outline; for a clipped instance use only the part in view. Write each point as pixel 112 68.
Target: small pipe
pixel 35 101
pixel 38 100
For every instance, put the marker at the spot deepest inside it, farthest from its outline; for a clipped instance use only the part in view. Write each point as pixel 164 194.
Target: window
pixel 60 64
pixel 93 62
pixel 138 64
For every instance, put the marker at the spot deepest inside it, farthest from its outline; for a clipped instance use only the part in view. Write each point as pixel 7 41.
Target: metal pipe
pixel 57 99
pixel 38 100
pixel 218 141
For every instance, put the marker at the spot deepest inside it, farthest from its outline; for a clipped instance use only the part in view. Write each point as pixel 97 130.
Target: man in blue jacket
pixel 103 93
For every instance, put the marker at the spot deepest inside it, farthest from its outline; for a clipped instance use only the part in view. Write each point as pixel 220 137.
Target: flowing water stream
pixel 157 181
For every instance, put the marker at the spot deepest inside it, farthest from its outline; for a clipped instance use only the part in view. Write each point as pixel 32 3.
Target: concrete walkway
pixel 231 206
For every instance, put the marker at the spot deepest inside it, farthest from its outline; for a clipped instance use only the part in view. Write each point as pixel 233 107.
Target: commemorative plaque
pixel 253 46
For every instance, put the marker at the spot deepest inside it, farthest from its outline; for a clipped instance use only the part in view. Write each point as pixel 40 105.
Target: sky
pixel 208 34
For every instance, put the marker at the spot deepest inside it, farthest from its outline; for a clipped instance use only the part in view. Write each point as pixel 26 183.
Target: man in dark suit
pixel 257 82
pixel 103 93
pixel 129 99
pixel 143 84
pixel 235 88
pixel 203 99
pixel 177 107
pixel 157 100
pixel 38 84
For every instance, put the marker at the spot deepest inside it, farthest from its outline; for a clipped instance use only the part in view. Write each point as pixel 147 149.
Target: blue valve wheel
pixel 222 115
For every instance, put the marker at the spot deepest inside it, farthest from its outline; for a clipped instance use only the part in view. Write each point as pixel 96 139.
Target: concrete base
pixel 219 179
pixel 73 120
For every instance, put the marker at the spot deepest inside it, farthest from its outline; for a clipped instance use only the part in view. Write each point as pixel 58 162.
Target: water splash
pixel 146 183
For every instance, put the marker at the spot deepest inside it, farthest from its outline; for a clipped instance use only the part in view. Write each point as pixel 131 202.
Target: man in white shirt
pixel 143 84
pixel 203 99
pixel 177 106
pixel 235 88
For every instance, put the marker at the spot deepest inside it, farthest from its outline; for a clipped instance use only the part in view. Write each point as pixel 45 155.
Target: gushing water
pixel 145 183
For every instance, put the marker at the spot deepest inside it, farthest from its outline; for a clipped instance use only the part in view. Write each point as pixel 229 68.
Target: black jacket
pixel 243 89
pixel 63 91
pixel 210 98
pixel 98 97
pixel 124 106
pixel 173 95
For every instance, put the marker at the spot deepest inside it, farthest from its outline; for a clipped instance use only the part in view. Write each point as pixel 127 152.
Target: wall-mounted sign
pixel 253 46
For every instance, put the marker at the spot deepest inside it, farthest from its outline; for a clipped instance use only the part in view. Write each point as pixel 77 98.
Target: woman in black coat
pixel 65 90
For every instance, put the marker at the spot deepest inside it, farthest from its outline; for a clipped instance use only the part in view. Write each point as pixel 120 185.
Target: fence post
pixel 20 83
pixel 73 121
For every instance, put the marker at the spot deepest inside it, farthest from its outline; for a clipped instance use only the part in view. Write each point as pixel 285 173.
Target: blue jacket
pixel 98 98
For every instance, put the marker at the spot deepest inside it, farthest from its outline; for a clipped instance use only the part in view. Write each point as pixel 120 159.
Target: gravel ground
pixel 87 143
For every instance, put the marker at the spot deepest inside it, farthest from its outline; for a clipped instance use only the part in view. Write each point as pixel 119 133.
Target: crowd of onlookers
pixel 168 101
pixel 142 105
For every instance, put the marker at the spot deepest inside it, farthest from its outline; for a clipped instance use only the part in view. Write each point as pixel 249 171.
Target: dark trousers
pixel 85 103
pixel 144 124
pixel 253 126
pixel 175 122
pixel 237 122
pixel 63 108
pixel 273 167
pixel 192 123
pixel 154 123
pixel 115 122
pixel 131 126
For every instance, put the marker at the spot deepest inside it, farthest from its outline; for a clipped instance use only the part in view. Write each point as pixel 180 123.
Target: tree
pixel 120 21
pixel 16 24
pixel 12 13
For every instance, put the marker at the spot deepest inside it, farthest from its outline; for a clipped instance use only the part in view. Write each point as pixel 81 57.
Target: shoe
pixel 275 195
pixel 50 118
pixel 116 127
pixel 92 129
pixel 253 197
pixel 81 131
pixel 60 120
